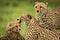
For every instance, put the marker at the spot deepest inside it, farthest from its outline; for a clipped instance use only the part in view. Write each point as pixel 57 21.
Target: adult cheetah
pixel 35 31
pixel 12 32
pixel 50 19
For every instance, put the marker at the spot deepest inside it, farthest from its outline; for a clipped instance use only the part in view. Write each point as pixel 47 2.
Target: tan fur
pixel 35 31
pixel 12 32
pixel 57 14
pixel 47 17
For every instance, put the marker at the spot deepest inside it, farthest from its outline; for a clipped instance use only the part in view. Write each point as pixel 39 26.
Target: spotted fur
pixel 35 30
pixel 12 32
pixel 57 15
pixel 50 19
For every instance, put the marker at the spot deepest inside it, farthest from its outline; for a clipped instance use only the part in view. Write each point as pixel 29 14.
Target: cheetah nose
pixel 37 11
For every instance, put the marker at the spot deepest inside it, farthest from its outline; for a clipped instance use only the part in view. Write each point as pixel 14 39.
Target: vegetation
pixel 10 10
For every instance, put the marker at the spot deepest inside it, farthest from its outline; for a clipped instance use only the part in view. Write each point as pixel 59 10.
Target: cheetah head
pixel 25 17
pixel 40 7
pixel 13 27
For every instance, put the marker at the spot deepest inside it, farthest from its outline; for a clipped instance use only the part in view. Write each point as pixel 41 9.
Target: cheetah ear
pixel 46 3
pixel 36 2
pixel 30 17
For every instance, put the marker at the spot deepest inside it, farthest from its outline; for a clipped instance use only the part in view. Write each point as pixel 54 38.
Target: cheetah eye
pixel 41 7
pixel 36 7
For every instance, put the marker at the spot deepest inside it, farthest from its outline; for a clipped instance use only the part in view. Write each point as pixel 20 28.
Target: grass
pixel 10 13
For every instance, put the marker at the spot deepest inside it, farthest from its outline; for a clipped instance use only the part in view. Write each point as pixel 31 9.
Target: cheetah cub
pixel 49 19
pixel 12 32
pixel 57 14
pixel 35 31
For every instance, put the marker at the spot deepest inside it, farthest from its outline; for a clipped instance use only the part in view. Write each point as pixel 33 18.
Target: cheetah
pixel 12 32
pixel 35 31
pixel 57 14
pixel 46 17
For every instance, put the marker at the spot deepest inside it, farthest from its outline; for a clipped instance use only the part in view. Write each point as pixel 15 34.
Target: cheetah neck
pixel 33 24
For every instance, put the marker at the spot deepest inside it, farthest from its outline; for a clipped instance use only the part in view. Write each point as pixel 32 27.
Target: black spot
pixel 49 29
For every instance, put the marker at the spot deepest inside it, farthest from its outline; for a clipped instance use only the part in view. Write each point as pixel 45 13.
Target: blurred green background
pixel 10 10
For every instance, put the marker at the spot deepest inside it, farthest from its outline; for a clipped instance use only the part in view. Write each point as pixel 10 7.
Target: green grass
pixel 10 13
